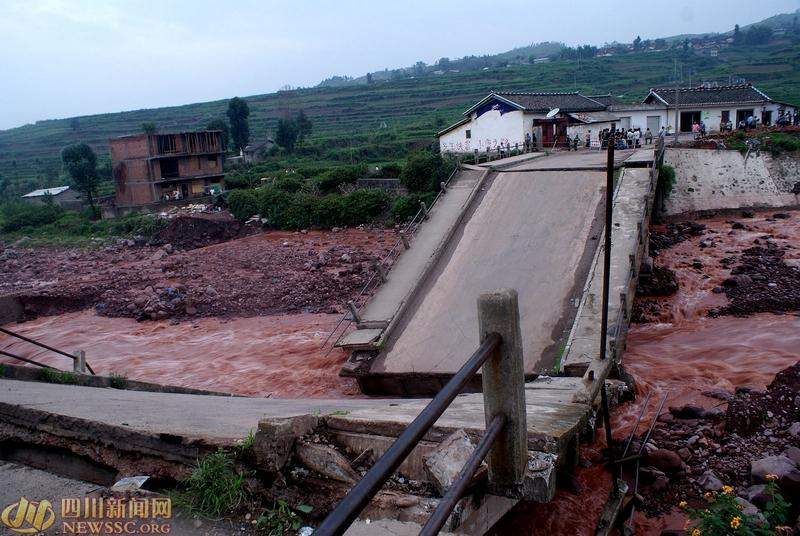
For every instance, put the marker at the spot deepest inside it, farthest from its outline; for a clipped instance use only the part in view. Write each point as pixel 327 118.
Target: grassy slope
pixel 413 109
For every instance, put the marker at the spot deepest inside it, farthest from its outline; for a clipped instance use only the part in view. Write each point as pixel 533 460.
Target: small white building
pixel 505 118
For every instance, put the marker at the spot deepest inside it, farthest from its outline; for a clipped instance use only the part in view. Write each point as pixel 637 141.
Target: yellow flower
pixel 708 496
pixel 727 490
pixel 682 504
pixel 697 532
pixel 735 522
pixel 772 477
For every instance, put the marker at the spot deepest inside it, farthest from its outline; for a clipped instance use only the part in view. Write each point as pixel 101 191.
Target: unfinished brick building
pixel 151 168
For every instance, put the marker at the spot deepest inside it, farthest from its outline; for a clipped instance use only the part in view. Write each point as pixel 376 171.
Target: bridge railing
pixel 505 437
pixel 79 363
pixel 382 267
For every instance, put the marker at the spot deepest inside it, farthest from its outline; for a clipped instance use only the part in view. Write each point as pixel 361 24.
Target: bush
pixel 666 179
pixel 20 215
pixel 363 206
pixel 330 181
pixel 406 207
pixel 723 516
pixel 243 204
pixel 424 171
pixel 240 180
pixel 288 184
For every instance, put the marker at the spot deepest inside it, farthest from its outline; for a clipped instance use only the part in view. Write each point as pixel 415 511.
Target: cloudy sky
pixel 64 58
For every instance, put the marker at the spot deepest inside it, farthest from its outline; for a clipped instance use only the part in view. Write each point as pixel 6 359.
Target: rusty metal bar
pixel 41 345
pixel 359 496
pixel 25 359
pixel 607 243
pixel 460 486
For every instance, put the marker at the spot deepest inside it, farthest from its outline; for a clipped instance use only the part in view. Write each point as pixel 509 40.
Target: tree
pixel 369 78
pixel 758 35
pixel 303 125
pixel 637 43
pixel 149 127
pixel 221 125
pixel 75 124
pixel 286 134
pixel 660 43
pixel 81 163
pixel 737 35
pixel 422 172
pixel 238 112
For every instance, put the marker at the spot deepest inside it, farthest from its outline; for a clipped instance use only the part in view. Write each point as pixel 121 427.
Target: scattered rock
pixel 326 461
pixel 447 460
pixel 666 460
pixel 710 482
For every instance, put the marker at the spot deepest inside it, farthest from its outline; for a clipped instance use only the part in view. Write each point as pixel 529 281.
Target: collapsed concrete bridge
pixel 529 224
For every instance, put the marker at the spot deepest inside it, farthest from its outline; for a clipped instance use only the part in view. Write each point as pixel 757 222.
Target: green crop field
pixel 381 121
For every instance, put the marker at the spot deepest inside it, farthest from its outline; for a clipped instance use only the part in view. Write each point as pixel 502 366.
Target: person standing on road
pixel 588 138
pixel 527 142
pixel 648 136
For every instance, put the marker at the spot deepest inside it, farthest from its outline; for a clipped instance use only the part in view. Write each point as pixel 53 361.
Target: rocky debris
pixel 672 234
pixel 660 281
pixel 326 460
pixel 761 282
pixel 699 449
pixel 251 276
pixel 194 231
pixel 276 437
pixel 447 460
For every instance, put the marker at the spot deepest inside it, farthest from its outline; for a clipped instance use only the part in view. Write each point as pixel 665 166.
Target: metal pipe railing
pixel 25 359
pixel 42 345
pixel 359 496
pixel 459 488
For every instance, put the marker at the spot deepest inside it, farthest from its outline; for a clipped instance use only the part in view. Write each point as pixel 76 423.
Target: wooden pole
pixel 503 380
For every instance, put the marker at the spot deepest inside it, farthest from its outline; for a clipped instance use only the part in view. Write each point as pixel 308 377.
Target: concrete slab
pixel 360 339
pixel 583 159
pixel 517 237
pixel 641 157
pixel 502 163
pixel 411 265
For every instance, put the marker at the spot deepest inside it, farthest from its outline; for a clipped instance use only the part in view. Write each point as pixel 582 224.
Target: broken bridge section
pixel 531 225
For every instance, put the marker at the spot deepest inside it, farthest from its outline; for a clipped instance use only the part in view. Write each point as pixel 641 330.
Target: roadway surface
pixel 535 231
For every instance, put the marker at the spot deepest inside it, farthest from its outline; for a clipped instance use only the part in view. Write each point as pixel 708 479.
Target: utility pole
pixel 677 114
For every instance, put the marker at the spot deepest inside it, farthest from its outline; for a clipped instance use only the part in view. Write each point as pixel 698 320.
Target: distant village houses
pixel 154 168
pixel 507 119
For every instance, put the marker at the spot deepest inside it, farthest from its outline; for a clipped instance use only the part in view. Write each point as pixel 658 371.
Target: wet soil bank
pixel 277 356
pixel 268 273
pixel 707 337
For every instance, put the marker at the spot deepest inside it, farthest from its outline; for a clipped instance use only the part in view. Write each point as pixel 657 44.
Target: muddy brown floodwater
pixel 683 352
pixel 279 355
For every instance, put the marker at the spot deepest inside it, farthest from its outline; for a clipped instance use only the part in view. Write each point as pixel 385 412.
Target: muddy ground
pixel 268 273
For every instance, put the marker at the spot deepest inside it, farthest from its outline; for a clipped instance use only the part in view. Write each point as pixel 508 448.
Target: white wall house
pixel 505 118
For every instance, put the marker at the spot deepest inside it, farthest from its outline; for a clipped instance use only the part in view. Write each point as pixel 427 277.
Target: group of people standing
pixel 627 139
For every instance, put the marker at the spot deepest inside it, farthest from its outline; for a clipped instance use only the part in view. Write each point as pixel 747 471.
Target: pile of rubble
pixel 693 450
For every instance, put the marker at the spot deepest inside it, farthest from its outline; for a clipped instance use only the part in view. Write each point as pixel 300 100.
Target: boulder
pixel 793 453
pixel 326 461
pixel 688 412
pixel 794 430
pixel 771 465
pixel 445 462
pixel 665 460
pixel 276 437
pixel 710 482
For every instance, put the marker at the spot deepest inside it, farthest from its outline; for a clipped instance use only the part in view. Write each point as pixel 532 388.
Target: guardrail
pixel 505 437
pixel 383 265
pixel 79 363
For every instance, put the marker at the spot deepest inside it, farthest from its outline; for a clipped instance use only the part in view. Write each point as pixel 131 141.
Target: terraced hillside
pixel 380 121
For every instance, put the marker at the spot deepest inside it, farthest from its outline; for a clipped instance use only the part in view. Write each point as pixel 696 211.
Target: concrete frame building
pixel 504 118
pixel 151 168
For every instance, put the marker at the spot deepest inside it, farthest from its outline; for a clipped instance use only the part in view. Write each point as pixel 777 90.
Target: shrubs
pixel 666 179
pixel 330 181
pixel 424 171
pixel 299 210
pixel 215 488
pixel 406 207
pixel 20 215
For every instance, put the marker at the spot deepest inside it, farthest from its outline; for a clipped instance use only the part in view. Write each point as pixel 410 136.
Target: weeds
pixel 666 179
pixel 214 488
pixel 58 376
pixel 117 381
pixel 281 519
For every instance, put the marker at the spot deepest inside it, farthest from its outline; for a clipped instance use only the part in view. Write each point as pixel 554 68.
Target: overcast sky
pixel 62 58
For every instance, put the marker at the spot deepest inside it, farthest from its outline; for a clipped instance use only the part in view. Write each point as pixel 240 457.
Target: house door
pixel 766 117
pixel 184 191
pixel 654 123
pixel 547 135
pixel 689 118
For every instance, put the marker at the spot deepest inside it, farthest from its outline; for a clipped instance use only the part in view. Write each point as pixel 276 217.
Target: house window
pixel 212 160
pixel 469 134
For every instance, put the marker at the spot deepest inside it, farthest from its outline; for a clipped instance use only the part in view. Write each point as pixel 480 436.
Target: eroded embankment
pixel 706 329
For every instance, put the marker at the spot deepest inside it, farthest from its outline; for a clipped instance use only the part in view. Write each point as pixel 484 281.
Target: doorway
pixel 654 123
pixel 742 115
pixel 689 118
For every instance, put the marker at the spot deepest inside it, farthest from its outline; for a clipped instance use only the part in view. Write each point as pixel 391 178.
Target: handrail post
pixel 79 363
pixel 503 379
